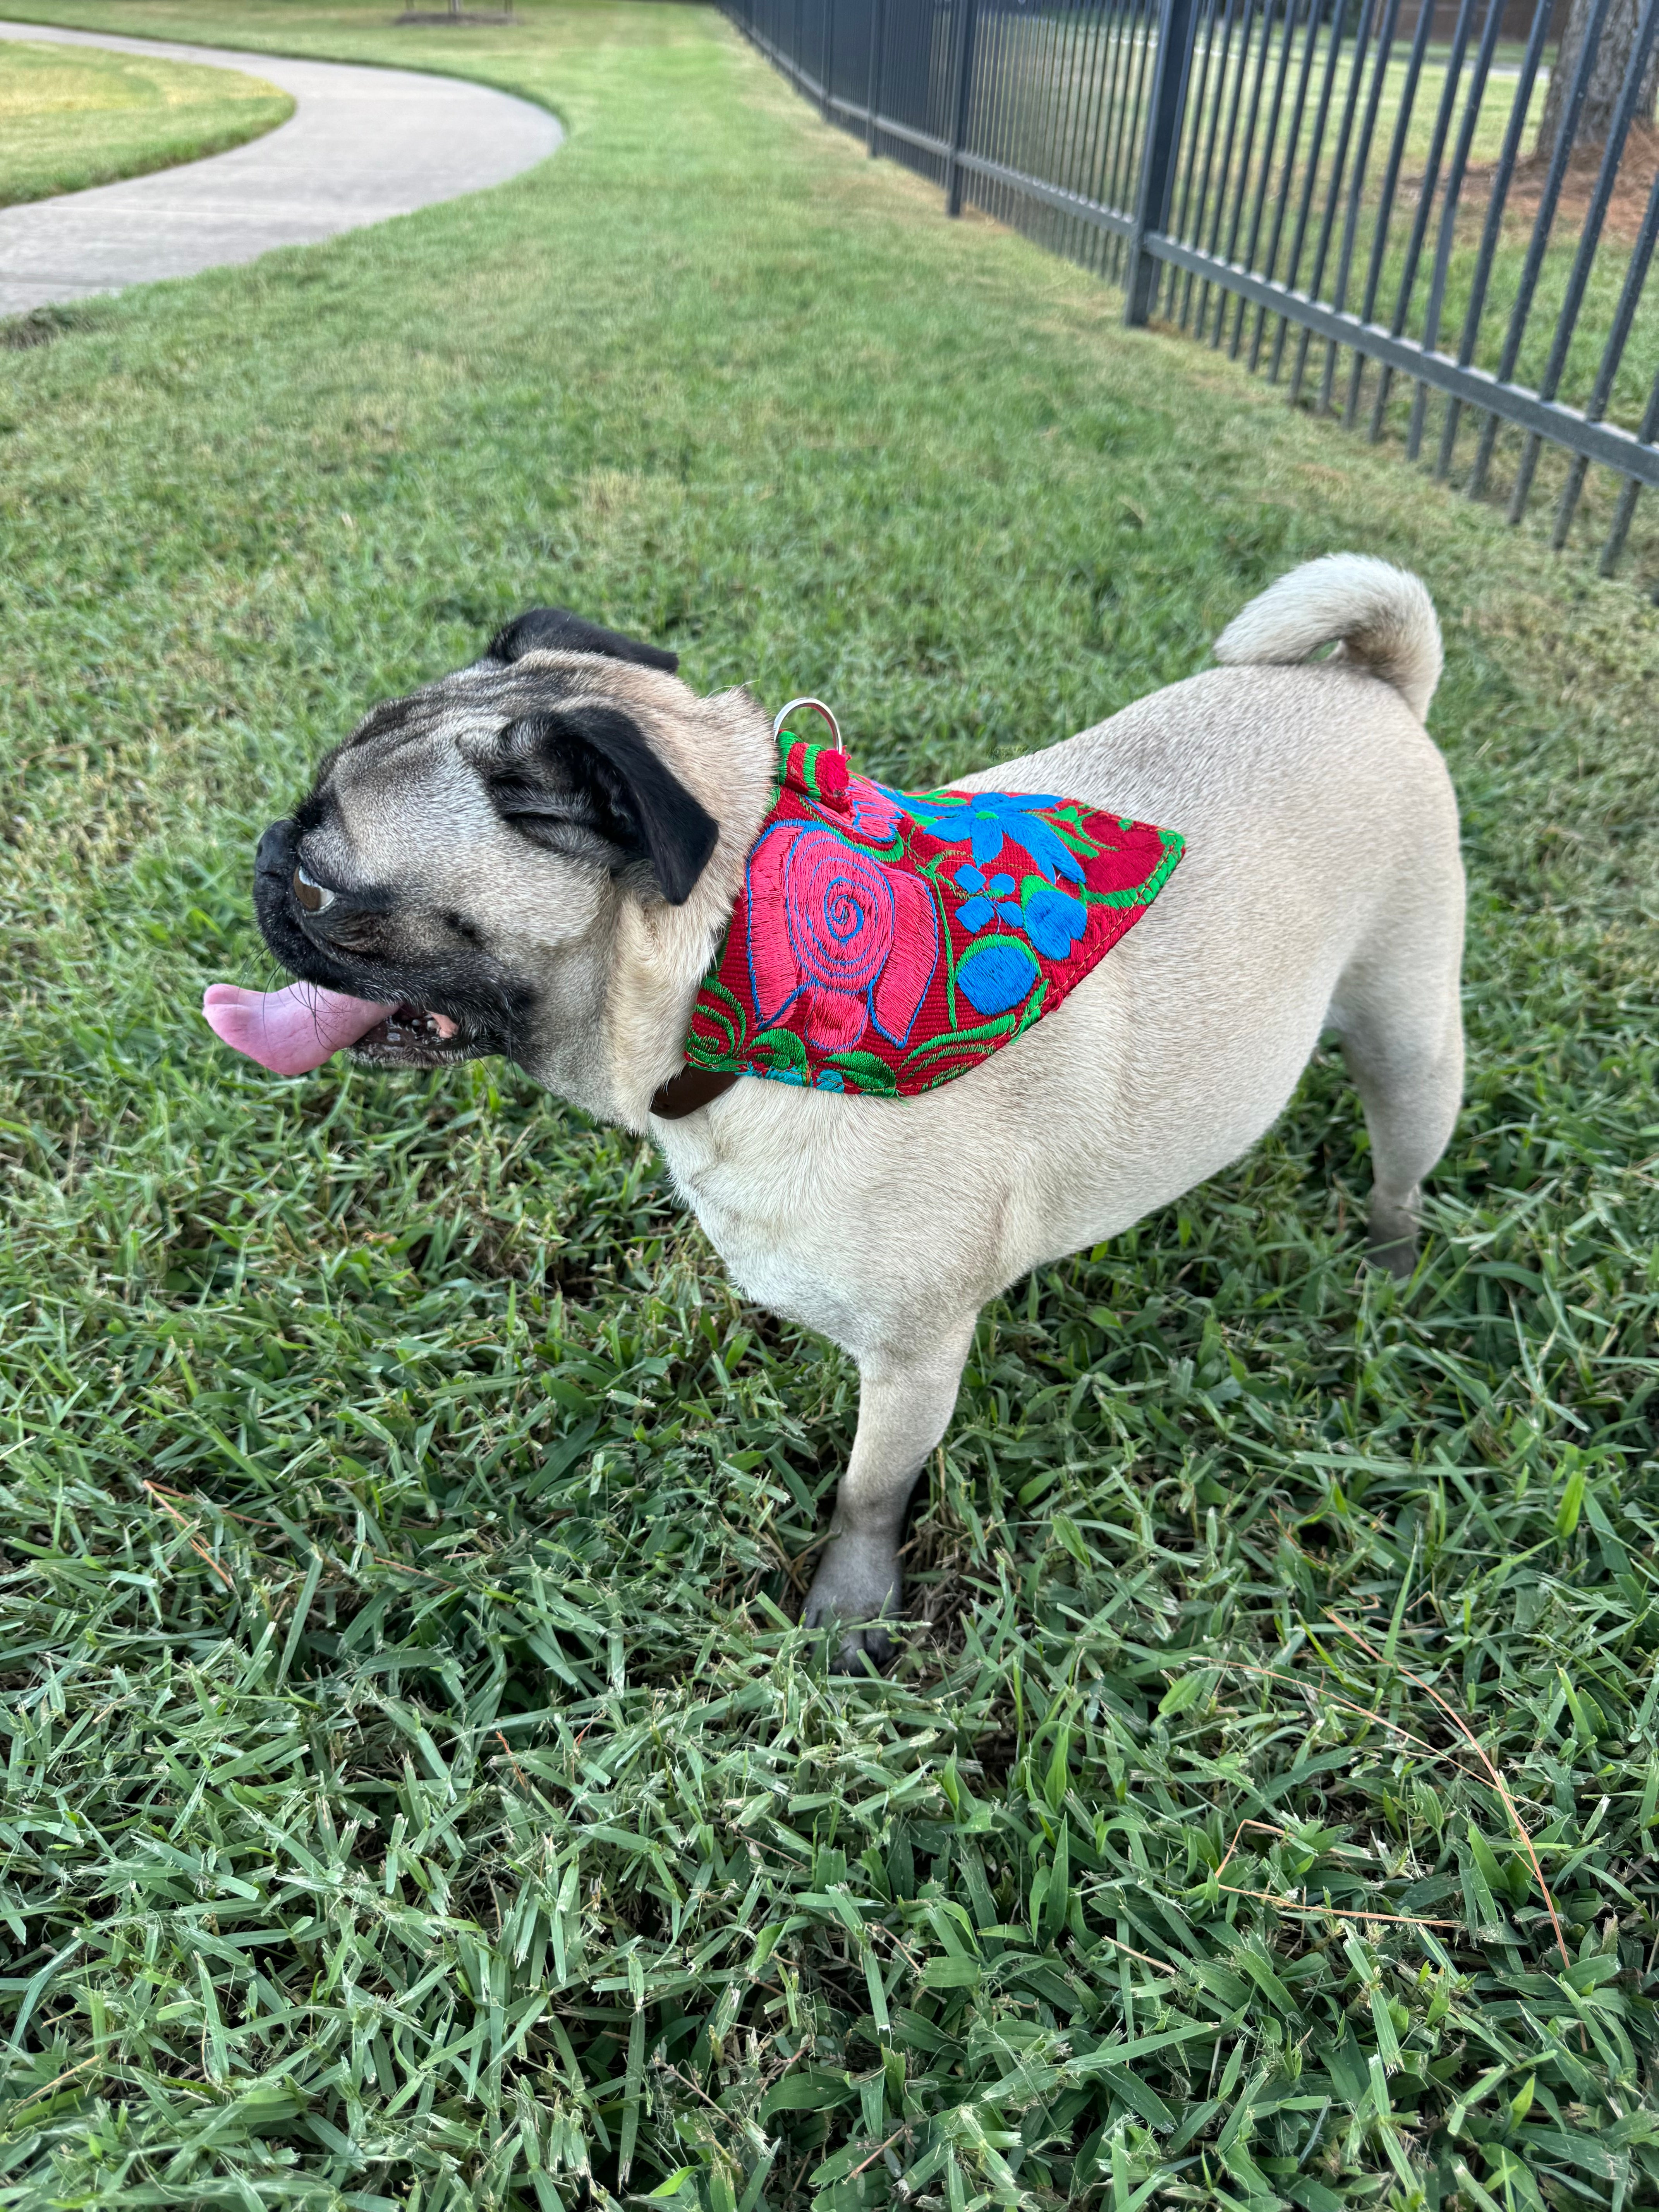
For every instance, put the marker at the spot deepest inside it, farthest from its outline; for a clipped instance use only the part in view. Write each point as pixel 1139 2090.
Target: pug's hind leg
pixel 905 1404
pixel 1402 1038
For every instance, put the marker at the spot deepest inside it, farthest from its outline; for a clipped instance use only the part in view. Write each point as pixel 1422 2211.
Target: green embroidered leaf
pixel 863 1071
pixel 957 1067
pixel 1068 823
pixel 717 1007
pixel 974 1042
pixel 777 1052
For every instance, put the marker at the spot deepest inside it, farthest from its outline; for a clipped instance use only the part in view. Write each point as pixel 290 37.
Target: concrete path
pixel 361 144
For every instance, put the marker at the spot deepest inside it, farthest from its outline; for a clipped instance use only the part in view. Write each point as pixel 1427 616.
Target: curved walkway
pixel 361 144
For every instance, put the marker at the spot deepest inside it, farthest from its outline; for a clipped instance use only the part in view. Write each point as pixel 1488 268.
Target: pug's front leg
pixel 905 1404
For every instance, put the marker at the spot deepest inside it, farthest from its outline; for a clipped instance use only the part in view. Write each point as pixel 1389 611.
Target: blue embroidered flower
pixel 995 976
pixel 1054 920
pixel 974 913
pixel 984 818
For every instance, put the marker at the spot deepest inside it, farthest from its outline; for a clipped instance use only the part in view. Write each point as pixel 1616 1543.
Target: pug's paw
pixel 1391 1240
pixel 863 1651
pixel 1392 1255
pixel 856 1586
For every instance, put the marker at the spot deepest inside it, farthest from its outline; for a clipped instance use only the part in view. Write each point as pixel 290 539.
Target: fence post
pixel 829 58
pixel 968 10
pixel 873 81
pixel 1158 160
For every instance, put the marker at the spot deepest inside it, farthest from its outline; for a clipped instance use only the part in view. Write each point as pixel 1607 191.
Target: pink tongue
pixel 289 1031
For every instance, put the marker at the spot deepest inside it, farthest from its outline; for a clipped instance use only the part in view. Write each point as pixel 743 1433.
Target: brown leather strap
pixel 685 1093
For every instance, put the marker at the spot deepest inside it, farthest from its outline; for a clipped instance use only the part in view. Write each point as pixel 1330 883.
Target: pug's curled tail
pixel 1380 618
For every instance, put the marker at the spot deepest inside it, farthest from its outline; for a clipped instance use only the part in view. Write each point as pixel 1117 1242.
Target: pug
pixel 538 856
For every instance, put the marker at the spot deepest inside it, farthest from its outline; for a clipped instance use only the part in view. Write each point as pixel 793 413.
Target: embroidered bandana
pixel 885 941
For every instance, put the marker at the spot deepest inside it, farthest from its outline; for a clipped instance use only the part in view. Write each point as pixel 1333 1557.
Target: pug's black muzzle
pixel 275 859
pixel 477 1010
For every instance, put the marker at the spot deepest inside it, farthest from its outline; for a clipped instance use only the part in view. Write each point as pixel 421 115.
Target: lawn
pixel 417 1793
pixel 71 116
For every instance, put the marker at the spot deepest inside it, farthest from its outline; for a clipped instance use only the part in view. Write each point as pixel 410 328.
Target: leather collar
pixel 685 1093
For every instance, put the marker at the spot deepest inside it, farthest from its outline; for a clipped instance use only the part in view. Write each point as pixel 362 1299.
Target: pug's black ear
pixel 552 629
pixel 582 780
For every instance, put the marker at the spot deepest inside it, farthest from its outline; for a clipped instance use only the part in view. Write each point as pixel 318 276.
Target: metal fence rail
pixel 1341 193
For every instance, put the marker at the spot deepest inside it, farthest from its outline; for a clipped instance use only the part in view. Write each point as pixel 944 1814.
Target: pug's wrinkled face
pixel 465 842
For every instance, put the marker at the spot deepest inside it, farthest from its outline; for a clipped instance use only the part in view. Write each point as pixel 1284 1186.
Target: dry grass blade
pixel 1522 1835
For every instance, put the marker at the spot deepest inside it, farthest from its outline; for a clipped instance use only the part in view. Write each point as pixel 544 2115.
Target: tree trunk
pixel 1607 76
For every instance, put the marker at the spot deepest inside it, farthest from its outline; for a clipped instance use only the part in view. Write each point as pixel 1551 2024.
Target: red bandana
pixel 884 941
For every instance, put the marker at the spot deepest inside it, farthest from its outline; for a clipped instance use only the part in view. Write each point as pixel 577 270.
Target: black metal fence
pixel 1349 194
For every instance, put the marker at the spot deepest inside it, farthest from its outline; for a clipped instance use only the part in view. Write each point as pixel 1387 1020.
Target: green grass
pixel 416 1794
pixel 70 117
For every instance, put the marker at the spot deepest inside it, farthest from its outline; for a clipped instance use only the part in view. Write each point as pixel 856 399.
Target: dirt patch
pixel 1625 210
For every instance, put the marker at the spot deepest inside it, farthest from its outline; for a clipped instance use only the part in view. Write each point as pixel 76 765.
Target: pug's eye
pixel 313 896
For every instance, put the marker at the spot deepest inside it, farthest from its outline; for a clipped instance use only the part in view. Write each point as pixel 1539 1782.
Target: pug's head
pixel 468 854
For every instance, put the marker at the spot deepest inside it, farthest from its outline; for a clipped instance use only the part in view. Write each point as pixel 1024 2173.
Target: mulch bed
pixel 1625 210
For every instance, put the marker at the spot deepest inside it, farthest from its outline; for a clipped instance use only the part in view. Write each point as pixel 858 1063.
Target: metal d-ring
pixel 817 707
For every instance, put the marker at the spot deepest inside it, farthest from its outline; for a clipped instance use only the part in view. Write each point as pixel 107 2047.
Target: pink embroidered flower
pixel 870 812
pixel 856 941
